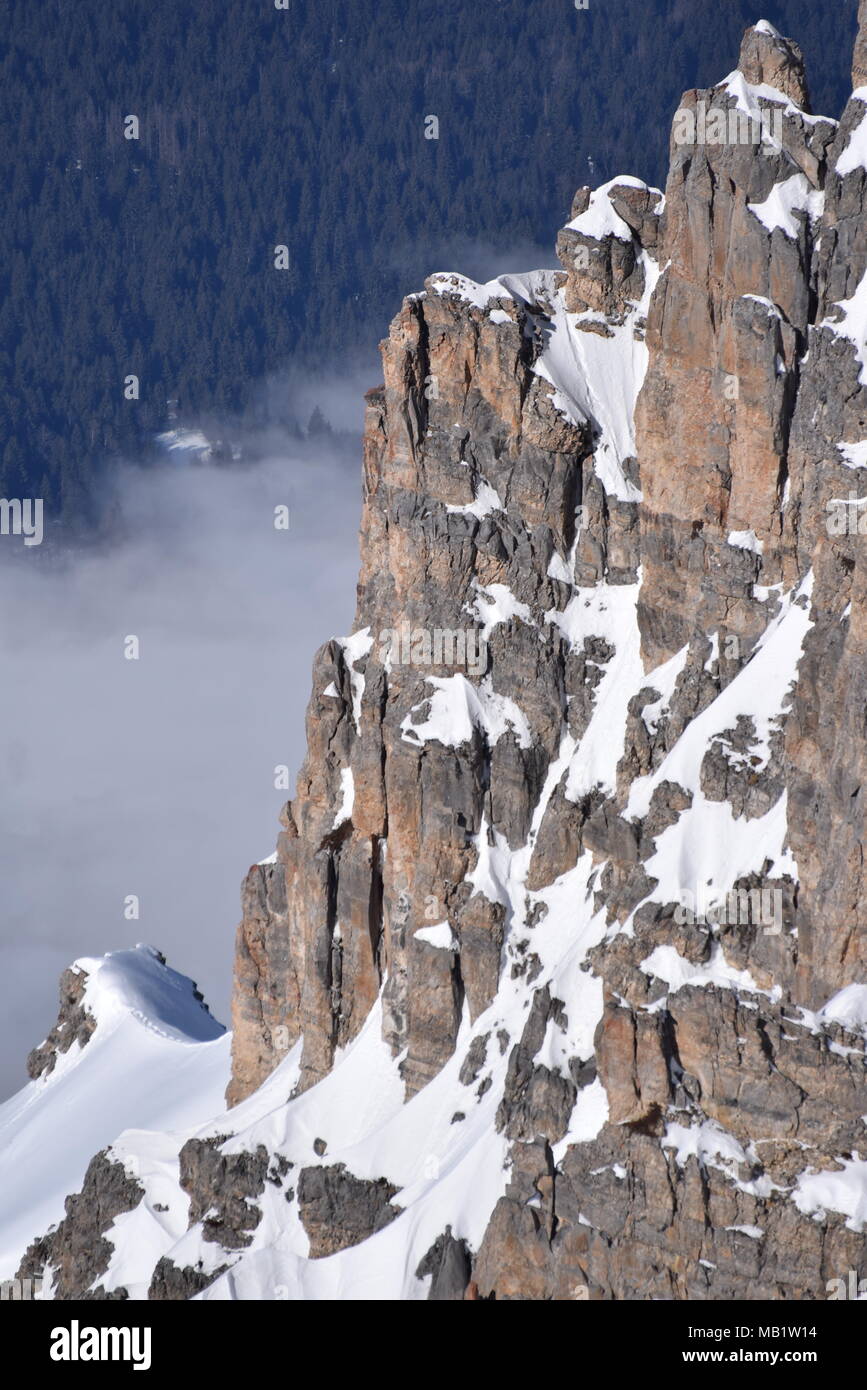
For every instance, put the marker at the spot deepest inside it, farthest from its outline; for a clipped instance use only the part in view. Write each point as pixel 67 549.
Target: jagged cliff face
pixel 750 391
pixel 472 477
pixel 479 453
pixel 556 984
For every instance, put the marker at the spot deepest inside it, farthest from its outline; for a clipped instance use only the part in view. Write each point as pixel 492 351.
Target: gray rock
pixel 338 1209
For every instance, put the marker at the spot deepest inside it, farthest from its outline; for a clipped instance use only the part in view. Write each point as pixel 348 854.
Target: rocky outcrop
pixel 473 477
pixel 76 1253
pixel 171 1284
pixel 748 396
pixel 825 747
pixel 266 993
pixel 628 1217
pixel 223 1188
pixel 75 1024
pixel 448 1264
pixel 339 1210
pixel 494 498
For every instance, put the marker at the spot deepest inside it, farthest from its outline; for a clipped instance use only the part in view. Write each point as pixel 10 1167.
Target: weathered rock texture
pixel 727 331
pixel 338 1210
pixel 76 1252
pixel 75 1024
pixel 223 1189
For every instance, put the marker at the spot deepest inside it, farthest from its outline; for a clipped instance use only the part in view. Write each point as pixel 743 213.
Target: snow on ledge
pixel 712 1146
pixel 664 679
pixel 457 708
pixel 486 500
pixel 784 200
pixel 347 791
pixel 441 937
pixel 854 156
pixel 355 647
pixel 754 1232
pixel 766 303
pixel 452 282
pixel 749 95
pixel 844 1191
pixel 852 324
pixel 745 540
pixel 666 964
pixel 854 455
pixel 495 604
pixel 599 220
pixel 848 1008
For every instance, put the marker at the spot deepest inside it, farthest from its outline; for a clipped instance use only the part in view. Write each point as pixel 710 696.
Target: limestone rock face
pixel 726 331
pixel 824 739
pixel 266 990
pixel 441 805
pixel 472 481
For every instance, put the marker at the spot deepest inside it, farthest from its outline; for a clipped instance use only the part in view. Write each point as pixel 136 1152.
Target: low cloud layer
pixel 155 776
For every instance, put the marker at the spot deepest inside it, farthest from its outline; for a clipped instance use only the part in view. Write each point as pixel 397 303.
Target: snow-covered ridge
pixel 156 1060
pixel 601 219
pixel 749 96
pixel 138 984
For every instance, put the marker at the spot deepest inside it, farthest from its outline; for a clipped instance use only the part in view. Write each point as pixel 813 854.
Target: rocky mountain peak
pixel 98 992
pixel 767 59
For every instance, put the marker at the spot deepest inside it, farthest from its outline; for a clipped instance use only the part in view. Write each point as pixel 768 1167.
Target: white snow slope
pixel 157 1060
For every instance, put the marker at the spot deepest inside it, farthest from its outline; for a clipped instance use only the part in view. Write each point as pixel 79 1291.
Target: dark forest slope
pixel 305 127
